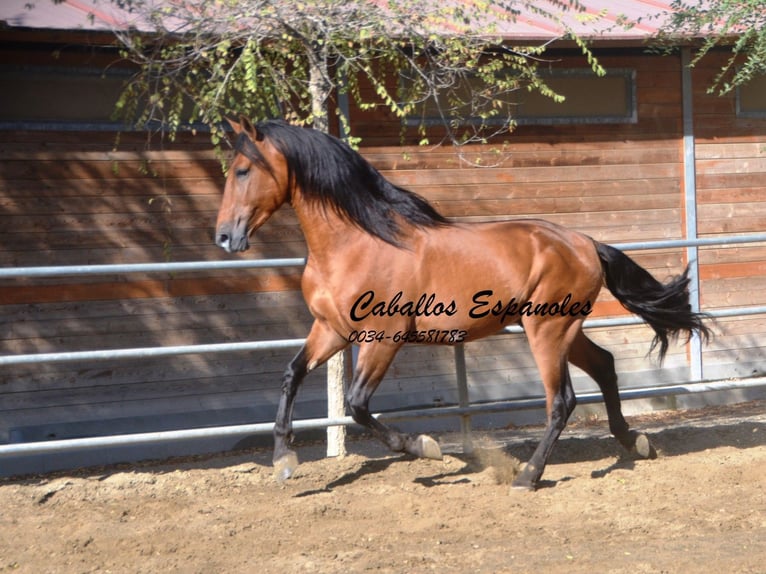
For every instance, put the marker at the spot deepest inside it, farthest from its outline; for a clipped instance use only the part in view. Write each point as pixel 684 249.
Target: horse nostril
pixel 224 241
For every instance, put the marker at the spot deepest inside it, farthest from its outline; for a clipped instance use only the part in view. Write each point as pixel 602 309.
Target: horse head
pixel 256 186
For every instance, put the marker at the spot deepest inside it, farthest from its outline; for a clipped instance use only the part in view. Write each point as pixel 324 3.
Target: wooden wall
pixel 731 187
pixel 68 198
pixel 617 183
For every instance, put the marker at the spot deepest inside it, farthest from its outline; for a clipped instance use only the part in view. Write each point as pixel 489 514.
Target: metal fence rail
pixel 464 410
pixel 184 266
pixel 82 444
pixel 177 267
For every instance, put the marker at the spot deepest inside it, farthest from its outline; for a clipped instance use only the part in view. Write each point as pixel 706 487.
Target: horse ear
pixel 247 127
pixel 234 125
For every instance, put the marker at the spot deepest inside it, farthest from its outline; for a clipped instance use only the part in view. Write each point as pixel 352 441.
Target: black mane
pixel 329 171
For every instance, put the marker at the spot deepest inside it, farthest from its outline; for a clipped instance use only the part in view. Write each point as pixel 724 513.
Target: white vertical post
pixel 463 400
pixel 690 206
pixel 338 368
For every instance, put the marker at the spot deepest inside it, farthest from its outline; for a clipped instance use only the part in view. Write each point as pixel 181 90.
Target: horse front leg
pixel 285 460
pixel 372 364
pixel 321 344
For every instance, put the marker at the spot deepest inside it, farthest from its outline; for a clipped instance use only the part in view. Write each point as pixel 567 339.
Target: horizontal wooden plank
pixel 724 210
pixel 732 225
pixel 727 150
pixel 583 190
pixel 204 205
pixel 733 254
pixel 120 223
pixel 147 289
pixel 738 269
pixel 748 330
pixel 125 230
pixel 178 328
pixel 145 188
pixel 240 303
pixel 77 165
pixel 47 170
pixel 724 196
pixel 524 145
pixel 614 229
pixel 541 174
pixel 108 153
pixel 731 165
pixel 198 387
pixel 182 210
pixel 653 207
pixel 508 156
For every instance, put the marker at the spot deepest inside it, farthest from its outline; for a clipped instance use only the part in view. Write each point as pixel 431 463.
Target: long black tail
pixel 665 307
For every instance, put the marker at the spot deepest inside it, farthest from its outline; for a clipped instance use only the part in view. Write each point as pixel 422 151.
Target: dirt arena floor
pixel 699 507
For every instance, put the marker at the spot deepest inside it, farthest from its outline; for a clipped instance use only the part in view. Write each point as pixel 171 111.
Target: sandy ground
pixel 699 507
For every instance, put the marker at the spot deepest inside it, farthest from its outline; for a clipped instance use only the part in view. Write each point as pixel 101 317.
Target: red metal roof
pixel 600 20
pixel 67 15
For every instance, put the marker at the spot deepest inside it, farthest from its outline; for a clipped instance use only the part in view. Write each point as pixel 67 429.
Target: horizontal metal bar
pixel 175 267
pixel 184 266
pixel 147 352
pixel 81 444
pixel 592 323
pixel 582 399
pixel 632 320
pixel 699 242
pixel 736 311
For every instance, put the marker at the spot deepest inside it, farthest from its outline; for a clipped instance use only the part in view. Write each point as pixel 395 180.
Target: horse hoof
pixel 285 466
pixel 427 447
pixel 524 480
pixel 644 448
pixel 524 486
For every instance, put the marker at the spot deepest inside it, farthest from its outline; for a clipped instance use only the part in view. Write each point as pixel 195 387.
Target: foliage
pixel 277 58
pixel 738 25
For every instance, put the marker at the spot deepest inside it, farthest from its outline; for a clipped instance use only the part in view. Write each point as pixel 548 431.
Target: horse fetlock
pixel 285 465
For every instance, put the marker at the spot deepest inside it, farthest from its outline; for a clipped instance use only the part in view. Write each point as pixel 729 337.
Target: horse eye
pixel 242 172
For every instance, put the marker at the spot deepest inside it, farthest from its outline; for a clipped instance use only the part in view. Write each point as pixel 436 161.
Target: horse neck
pixel 325 231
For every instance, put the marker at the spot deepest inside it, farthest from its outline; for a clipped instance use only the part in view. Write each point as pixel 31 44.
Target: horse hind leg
pixel 372 364
pixel 561 402
pixel 598 363
pixel 549 343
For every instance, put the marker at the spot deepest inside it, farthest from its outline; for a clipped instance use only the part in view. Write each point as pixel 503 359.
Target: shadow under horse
pixel 384 268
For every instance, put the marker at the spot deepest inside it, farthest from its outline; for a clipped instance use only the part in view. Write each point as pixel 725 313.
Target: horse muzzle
pixel 232 238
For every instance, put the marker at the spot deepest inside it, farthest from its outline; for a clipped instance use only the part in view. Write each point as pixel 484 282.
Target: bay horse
pixel 384 268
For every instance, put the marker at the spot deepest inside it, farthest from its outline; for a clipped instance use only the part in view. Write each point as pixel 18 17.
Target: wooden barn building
pixel 627 158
